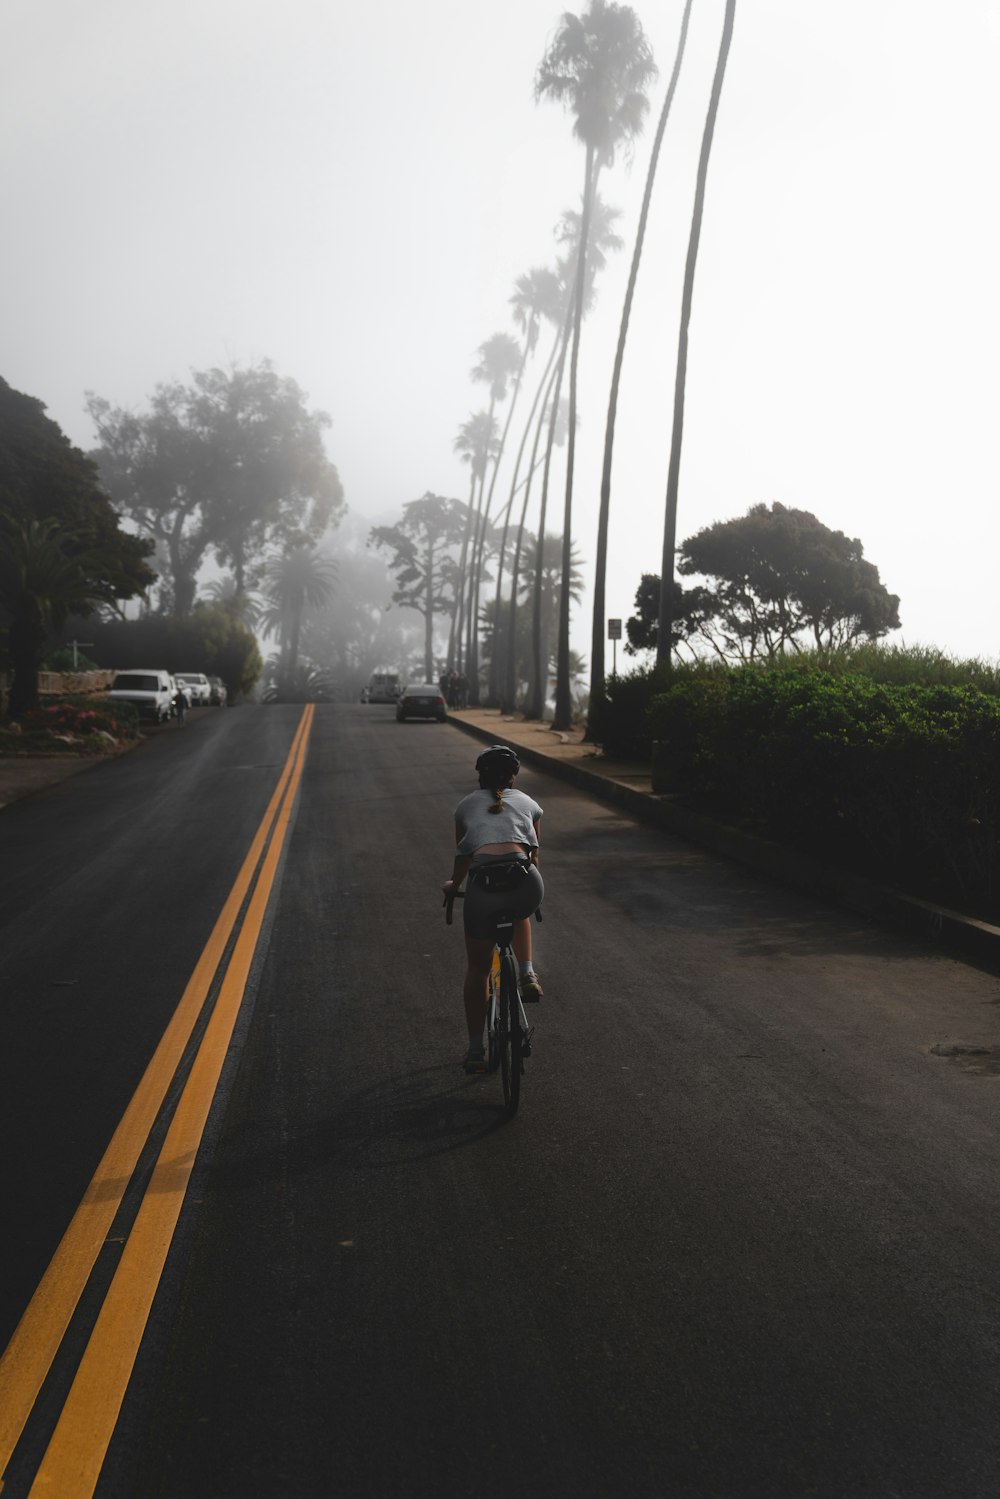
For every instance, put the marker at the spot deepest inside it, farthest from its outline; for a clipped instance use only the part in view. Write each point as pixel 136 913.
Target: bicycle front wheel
pixel 493 1016
pixel 510 1034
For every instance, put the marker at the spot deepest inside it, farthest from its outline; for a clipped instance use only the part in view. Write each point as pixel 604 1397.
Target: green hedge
pixel 897 780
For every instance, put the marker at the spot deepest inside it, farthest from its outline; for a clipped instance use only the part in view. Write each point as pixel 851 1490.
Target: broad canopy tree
pixel 233 463
pixel 62 551
pixel 420 554
pixel 778 579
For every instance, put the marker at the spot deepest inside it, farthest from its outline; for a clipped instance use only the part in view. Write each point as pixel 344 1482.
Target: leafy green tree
pixel 778 579
pixel 598 65
pixel 692 610
pixel 233 463
pixel 420 547
pixel 61 548
pixel 665 633
pixel 298 580
pixel 601 560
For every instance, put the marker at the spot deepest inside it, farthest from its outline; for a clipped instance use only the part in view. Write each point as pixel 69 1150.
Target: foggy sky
pixel 351 191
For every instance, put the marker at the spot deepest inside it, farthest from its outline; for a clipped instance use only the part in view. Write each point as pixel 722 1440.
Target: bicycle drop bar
pixel 449 903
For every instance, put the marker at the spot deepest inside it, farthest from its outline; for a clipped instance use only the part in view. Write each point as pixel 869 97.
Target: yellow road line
pixel 72 1464
pixel 28 1356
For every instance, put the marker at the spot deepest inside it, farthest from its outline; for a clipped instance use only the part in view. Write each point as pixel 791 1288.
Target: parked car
pixel 383 686
pixel 219 693
pixel 421 700
pixel 198 686
pixel 150 690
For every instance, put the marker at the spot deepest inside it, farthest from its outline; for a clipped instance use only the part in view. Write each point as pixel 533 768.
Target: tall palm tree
pixel 476 443
pixel 601 560
pixel 674 469
pixel 510 682
pixel 499 362
pixel 537 295
pixel 225 591
pixel 603 237
pixel 598 65
pixel 543 578
pixel 299 580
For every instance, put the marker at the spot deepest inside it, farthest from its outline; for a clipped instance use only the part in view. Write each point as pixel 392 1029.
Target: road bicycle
pixel 508 1034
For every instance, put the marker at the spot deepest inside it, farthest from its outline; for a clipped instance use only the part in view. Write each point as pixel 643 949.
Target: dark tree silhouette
pixel 598 65
pixel 680 380
pixel 62 551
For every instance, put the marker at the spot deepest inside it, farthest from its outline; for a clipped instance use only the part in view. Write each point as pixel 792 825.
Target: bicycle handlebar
pixel 449 903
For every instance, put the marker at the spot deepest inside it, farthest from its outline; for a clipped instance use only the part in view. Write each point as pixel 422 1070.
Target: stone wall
pixel 74 683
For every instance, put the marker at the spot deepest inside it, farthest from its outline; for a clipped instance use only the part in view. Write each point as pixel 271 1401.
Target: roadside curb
pixel 924 920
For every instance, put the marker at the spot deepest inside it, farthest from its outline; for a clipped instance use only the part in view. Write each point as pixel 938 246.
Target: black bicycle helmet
pixel 499 757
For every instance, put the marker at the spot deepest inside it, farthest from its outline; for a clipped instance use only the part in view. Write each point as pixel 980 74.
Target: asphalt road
pixel 739 1241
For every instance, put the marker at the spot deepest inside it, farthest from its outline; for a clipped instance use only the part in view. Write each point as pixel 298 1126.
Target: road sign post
pixel 614 634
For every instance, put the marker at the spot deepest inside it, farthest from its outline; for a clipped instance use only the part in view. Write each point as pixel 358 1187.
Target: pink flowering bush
pixel 90 726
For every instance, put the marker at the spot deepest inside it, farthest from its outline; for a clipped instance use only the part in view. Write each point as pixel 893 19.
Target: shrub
pixel 74 725
pixel 210 639
pixel 619 721
pixel 898 780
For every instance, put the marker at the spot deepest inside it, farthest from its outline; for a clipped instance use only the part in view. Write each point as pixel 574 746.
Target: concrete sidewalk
pixel 629 787
pixel 20 775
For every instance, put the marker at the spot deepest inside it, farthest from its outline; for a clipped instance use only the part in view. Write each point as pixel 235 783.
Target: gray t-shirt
pixel 512 825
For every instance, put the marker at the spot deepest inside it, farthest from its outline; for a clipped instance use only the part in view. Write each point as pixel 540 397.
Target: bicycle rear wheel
pixel 510 1034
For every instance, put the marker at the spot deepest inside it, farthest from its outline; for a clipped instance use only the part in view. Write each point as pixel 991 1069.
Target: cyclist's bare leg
pixel 521 940
pixel 479 960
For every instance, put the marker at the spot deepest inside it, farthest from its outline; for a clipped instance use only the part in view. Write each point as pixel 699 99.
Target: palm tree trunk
pixel 601 563
pixel 564 708
pixel 458 611
pixel 495 662
pixel 510 676
pixel 429 616
pixel 294 637
pixel 471 653
pixel 663 645
pixel 536 696
pixel 477 571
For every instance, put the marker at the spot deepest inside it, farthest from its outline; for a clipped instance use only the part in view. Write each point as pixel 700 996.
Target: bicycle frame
pixel 505 1014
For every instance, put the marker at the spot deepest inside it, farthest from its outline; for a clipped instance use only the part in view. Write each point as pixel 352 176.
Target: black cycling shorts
pixel 500 886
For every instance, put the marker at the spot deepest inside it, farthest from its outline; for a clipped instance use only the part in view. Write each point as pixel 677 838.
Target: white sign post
pixel 614 634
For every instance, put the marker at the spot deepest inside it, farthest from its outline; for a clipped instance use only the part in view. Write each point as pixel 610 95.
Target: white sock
pixel 525 969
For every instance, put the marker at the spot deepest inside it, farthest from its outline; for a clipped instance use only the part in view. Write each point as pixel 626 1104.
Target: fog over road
pixel 739 1241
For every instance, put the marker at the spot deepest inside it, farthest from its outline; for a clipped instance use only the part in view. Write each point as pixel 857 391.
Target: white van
pixel 150 691
pixel 383 687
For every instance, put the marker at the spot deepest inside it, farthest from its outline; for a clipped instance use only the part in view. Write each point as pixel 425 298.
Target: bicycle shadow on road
pixel 413 1116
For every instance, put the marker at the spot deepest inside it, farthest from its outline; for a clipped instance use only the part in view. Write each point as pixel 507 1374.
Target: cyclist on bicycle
pixel 496 837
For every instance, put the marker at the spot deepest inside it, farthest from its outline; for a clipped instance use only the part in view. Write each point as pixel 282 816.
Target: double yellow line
pixel 72 1462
